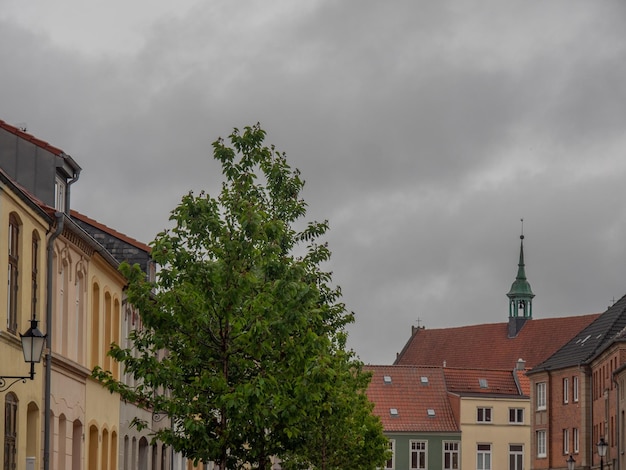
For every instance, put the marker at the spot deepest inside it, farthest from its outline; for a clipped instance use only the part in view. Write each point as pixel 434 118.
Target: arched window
pixel 107 330
pixel 10 431
pixel 78 320
pixel 115 336
pixel 125 453
pixel 77 438
pixel 92 456
pixel 113 450
pixel 34 274
pixel 105 450
pixel 62 449
pixel 143 454
pixel 14 248
pixel 32 430
pixel 95 325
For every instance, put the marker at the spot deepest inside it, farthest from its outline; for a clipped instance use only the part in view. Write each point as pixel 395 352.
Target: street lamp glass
pixel 602 446
pixel 33 342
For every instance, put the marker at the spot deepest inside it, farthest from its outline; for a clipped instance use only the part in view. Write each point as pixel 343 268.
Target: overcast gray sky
pixel 424 130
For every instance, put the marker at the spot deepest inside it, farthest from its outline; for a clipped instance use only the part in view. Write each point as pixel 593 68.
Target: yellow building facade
pixel 496 433
pixel 86 304
pixel 23 227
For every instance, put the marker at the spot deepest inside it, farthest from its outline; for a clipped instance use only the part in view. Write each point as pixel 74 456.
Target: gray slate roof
pixel 118 247
pixel 591 341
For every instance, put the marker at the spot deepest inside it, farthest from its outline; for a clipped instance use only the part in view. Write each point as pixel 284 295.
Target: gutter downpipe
pixel 67 189
pixel 48 378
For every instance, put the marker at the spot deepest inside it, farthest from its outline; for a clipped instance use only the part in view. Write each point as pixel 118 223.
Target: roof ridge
pixel 30 138
pixel 132 241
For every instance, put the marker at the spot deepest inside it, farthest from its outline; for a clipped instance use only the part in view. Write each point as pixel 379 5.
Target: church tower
pixel 520 297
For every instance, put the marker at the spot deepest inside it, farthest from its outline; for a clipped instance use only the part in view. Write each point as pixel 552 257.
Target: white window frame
pixel 417 448
pixel 576 436
pixel 59 197
pixel 484 414
pixel 516 413
pixel 541 444
pixel 575 388
pixel 565 441
pixel 516 453
pixel 452 448
pixel 484 455
pixel 540 388
pixel 566 390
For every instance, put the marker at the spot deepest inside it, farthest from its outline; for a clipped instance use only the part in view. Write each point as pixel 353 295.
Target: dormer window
pixel 59 194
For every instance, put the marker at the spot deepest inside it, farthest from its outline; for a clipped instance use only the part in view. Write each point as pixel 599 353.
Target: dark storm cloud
pixel 424 130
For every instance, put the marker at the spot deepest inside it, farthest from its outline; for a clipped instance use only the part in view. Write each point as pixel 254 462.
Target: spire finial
pixel 522 234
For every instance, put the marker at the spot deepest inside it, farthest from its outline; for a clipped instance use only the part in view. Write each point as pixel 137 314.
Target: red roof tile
pixel 524 381
pixel 481 382
pixel 30 138
pixel 488 346
pixel 412 398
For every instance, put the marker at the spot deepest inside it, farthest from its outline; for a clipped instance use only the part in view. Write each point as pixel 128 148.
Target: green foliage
pixel 242 344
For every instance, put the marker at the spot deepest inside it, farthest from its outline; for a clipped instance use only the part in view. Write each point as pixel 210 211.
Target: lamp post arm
pixel 4 385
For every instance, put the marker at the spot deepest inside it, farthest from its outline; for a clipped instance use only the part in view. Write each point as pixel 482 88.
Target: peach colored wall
pixel 499 433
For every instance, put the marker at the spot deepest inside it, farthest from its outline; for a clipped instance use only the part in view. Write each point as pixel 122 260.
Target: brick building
pixel 574 399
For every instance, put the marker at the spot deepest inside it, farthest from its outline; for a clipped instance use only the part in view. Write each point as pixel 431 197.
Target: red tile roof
pixel 488 346
pixel 481 382
pixel 412 398
pixel 524 381
pixel 30 138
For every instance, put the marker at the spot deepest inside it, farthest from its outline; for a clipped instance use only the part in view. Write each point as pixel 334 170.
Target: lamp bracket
pixel 4 385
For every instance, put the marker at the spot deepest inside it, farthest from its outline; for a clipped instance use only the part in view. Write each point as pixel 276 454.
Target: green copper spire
pixel 521 295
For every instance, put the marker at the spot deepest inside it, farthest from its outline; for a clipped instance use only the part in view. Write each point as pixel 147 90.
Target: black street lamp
pixel 570 462
pixel 602 446
pixel 33 342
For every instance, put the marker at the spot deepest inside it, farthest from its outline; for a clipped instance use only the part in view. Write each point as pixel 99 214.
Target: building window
pixel 576 440
pixel 10 432
pixel 59 189
pixel 516 415
pixel 483 457
pixel 34 275
pixel 516 457
pixel 483 415
pixel 451 456
pixel 391 463
pixel 14 246
pixel 575 388
pixel 541 443
pixel 541 396
pixel 418 455
pixel 566 390
pixel 565 441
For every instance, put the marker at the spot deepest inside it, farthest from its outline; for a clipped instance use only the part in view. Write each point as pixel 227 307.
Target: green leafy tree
pixel 242 341
pixel 344 435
